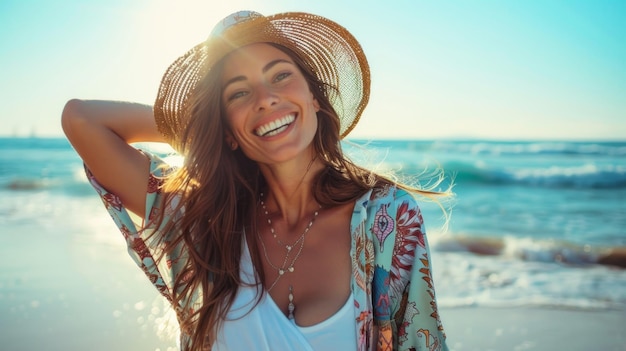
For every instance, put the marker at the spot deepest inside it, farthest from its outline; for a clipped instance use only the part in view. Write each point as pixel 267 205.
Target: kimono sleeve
pixel 143 247
pixel 416 315
pixel 403 294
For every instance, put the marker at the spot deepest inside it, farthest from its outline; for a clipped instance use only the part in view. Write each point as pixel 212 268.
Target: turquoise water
pixel 566 191
pixel 530 225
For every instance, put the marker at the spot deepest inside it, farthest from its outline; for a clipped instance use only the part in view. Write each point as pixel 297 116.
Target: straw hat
pixel 332 53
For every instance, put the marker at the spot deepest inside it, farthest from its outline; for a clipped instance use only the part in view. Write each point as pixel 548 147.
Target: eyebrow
pixel 264 70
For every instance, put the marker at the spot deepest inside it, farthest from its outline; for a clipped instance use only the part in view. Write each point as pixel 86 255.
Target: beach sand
pixel 83 327
pixel 77 292
pixel 537 329
pixel 122 314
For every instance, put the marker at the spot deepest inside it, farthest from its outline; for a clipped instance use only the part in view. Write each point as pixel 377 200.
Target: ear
pixel 316 104
pixel 230 141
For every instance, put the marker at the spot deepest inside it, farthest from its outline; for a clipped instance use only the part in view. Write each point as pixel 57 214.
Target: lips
pixel 276 126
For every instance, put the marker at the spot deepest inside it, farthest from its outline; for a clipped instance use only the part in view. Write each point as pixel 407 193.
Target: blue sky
pixel 527 69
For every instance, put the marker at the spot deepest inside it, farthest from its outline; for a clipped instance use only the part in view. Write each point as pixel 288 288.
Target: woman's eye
pixel 237 95
pixel 281 76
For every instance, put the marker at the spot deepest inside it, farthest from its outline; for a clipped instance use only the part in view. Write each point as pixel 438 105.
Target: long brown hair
pixel 218 190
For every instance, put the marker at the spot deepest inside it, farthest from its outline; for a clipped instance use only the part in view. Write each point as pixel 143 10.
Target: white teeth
pixel 275 126
pixel 276 131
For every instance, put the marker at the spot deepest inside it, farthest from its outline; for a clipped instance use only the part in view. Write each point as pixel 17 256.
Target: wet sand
pixel 106 319
pixel 77 293
pixel 536 329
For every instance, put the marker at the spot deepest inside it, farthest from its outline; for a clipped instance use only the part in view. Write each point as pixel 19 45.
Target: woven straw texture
pixel 329 49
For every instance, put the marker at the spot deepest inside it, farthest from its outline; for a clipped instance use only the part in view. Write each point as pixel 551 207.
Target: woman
pixel 267 237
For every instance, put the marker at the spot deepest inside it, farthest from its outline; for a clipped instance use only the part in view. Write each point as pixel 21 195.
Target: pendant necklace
pixel 280 242
pixel 284 268
pixel 291 307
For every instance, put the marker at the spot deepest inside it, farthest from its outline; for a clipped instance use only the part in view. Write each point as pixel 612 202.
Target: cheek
pixel 234 119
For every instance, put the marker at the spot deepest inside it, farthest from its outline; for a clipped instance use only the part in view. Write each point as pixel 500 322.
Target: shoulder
pixel 391 196
pixel 159 167
pixel 391 212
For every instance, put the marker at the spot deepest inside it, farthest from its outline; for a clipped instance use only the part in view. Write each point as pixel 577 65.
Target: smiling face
pixel 268 105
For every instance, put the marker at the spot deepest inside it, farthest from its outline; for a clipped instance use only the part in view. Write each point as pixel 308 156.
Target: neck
pixel 289 195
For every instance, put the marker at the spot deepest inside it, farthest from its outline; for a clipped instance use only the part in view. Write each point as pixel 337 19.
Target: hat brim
pixel 332 53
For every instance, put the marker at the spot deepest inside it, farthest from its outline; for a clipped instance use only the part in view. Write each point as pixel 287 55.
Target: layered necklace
pixel 287 265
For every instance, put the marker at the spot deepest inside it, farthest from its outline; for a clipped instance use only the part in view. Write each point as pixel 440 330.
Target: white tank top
pixel 265 327
pixel 336 333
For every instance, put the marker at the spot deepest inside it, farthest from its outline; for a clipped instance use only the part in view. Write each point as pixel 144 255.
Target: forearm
pixel 100 132
pixel 132 122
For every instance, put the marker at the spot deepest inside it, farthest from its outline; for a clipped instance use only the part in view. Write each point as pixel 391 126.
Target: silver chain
pixel 283 268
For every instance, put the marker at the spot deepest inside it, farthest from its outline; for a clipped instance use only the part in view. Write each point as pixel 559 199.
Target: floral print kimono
pixel 391 282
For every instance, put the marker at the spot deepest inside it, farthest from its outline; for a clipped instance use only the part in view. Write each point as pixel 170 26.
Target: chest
pixel 312 274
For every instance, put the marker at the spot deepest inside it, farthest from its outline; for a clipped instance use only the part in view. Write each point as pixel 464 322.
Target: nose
pixel 266 97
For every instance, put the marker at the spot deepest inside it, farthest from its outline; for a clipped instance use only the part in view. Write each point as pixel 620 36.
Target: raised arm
pixel 101 132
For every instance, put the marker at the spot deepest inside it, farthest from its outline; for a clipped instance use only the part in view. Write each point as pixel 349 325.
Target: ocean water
pixel 532 224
